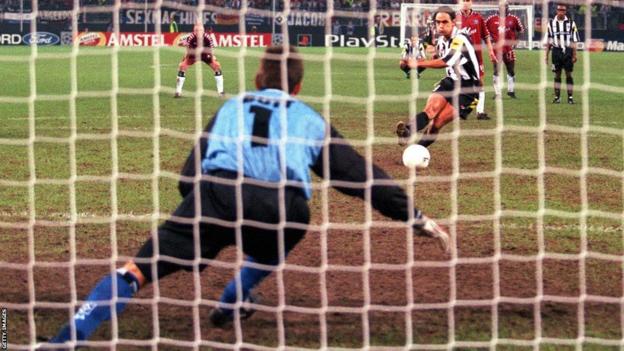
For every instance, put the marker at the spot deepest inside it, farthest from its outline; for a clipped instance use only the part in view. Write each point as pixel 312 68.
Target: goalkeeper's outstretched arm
pixel 347 172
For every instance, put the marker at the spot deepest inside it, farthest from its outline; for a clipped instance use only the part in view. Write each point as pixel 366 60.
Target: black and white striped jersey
pixel 440 47
pixel 414 50
pixel 460 57
pixel 562 33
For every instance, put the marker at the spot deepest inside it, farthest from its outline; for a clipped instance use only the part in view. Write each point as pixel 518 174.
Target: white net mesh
pixel 416 17
pixel 534 198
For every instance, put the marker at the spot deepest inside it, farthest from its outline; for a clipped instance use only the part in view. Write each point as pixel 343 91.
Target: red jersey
pixel 191 41
pixel 513 26
pixel 478 31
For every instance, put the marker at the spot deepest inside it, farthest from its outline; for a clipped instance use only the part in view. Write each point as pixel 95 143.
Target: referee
pixel 562 39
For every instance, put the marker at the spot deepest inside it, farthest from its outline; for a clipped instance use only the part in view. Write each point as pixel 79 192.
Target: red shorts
pixel 191 59
pixel 508 56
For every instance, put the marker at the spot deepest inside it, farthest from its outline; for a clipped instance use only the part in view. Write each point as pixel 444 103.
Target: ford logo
pixel 41 38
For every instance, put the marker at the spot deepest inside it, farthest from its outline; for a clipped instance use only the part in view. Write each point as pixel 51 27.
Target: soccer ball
pixel 416 156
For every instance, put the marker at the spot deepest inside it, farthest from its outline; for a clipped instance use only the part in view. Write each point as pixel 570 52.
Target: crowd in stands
pixel 603 15
pixel 306 5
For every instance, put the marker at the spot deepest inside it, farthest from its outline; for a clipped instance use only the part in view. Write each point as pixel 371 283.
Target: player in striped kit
pixel 416 47
pixel 562 39
pixel 454 95
pixel 474 22
pixel 510 26
pixel 205 48
pixel 412 48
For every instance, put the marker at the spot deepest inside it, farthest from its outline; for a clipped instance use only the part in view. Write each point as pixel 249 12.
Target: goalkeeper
pixel 255 156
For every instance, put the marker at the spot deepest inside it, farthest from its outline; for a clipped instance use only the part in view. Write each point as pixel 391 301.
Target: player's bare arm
pixel 547 53
pixel 488 42
pixel 549 35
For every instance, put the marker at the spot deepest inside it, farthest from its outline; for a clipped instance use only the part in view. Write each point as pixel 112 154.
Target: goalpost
pixel 534 200
pixel 414 17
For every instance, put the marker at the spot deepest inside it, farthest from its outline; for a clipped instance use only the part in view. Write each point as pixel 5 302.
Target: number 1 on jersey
pixel 261 125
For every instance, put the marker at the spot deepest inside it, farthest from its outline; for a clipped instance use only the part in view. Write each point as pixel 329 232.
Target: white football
pixel 416 156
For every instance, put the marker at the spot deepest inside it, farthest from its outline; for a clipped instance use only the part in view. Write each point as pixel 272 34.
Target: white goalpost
pixel 414 17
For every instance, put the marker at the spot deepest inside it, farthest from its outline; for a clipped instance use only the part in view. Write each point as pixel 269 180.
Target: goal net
pixel 92 141
pixel 416 17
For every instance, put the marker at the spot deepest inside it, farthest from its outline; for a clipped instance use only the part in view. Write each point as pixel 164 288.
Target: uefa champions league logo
pixel 278 39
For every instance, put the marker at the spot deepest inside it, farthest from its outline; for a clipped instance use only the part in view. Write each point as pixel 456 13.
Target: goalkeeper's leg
pixel 261 247
pixel 175 239
pixel 98 306
pixel 249 277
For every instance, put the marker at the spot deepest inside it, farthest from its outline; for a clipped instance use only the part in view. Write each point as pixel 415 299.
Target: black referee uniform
pixel 562 39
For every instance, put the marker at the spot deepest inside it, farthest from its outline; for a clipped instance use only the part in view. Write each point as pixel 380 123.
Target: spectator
pixel 173 25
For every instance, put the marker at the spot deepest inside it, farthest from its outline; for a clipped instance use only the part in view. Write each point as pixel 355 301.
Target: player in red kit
pixel 503 47
pixel 200 41
pixel 467 18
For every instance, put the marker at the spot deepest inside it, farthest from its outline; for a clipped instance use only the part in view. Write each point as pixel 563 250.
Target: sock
pixel 557 87
pixel 93 313
pixel 422 120
pixel 481 103
pixel 496 84
pixel 249 278
pixel 570 83
pixel 428 139
pixel 219 80
pixel 510 83
pixel 180 82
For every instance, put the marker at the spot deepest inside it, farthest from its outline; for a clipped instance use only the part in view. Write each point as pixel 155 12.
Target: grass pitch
pixel 98 134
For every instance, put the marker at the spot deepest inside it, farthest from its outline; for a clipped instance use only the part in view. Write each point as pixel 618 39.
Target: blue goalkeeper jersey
pixel 266 135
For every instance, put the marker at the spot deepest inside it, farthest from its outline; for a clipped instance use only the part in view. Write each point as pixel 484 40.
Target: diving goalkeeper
pixel 266 141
